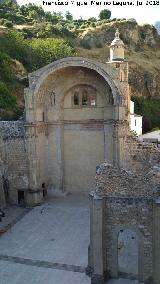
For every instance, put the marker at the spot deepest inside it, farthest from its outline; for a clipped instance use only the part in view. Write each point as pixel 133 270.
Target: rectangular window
pixel 135 122
pixel 93 102
pixel 85 100
pixel 76 99
pixel 88 100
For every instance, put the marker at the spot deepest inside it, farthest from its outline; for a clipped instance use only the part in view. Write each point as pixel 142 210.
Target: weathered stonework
pixel 14 166
pixel 130 200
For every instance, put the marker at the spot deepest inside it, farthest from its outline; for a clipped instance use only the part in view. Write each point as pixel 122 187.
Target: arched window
pixel 76 99
pixel 85 97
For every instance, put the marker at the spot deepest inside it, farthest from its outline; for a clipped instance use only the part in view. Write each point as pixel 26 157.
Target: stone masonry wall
pixel 129 213
pixel 139 157
pixel 14 158
pixel 129 204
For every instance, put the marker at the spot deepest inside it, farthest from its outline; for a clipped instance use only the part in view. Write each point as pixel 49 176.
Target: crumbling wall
pixel 116 182
pixel 139 157
pixel 129 198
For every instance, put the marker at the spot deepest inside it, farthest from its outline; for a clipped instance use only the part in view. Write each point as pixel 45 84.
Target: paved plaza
pixel 49 245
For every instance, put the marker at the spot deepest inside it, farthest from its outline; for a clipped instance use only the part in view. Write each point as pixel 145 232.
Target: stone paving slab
pixel 57 231
pixel 12 215
pixel 41 263
pixel 13 273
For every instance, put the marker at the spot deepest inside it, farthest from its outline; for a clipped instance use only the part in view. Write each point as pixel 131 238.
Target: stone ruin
pixel 126 198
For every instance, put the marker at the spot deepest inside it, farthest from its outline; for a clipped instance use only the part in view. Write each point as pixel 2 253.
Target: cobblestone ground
pixel 48 245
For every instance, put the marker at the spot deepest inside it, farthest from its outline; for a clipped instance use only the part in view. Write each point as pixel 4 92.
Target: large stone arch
pixel 37 78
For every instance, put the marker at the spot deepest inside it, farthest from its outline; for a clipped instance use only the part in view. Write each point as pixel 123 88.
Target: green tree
pixel 45 51
pixel 104 14
pixel 68 16
pixel 92 19
pixel 13 44
pixel 149 109
pixel 48 17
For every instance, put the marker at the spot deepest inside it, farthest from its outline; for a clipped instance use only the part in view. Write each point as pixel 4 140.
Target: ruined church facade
pixel 76 111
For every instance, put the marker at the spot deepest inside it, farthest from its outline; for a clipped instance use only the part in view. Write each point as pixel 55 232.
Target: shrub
pixel 8 24
pixel 92 19
pixel 14 45
pixel 93 25
pixel 6 73
pixel 6 99
pixel 45 51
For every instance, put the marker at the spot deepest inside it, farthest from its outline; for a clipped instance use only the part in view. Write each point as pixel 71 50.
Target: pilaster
pixel 97 262
pixel 59 156
pixel 34 194
pixel 156 241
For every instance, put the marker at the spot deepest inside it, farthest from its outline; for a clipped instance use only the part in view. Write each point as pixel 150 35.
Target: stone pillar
pixel 97 261
pixel 108 143
pixel 156 241
pixel 116 148
pixel 59 156
pixel 34 194
pixel 118 144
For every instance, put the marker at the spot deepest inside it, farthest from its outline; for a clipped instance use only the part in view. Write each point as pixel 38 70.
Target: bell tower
pixel 117 48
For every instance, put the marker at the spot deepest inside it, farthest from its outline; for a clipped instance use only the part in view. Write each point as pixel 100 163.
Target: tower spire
pixel 117 33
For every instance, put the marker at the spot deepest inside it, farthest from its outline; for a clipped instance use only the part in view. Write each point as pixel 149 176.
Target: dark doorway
pixel 20 197
pixel 44 189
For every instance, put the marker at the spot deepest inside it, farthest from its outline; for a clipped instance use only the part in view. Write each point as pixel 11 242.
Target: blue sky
pixel 143 14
